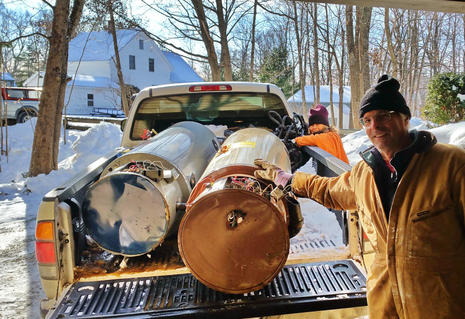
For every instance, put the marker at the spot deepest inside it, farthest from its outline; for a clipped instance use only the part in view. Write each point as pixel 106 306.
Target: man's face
pixel 387 130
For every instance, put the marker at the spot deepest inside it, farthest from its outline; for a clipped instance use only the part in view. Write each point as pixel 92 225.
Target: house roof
pixel 324 95
pixel 182 72
pixel 98 45
pixel 6 76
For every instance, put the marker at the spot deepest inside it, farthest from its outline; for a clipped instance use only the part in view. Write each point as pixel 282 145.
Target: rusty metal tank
pixel 133 206
pixel 234 235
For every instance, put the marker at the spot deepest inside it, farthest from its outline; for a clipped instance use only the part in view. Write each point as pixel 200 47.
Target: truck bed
pixel 297 288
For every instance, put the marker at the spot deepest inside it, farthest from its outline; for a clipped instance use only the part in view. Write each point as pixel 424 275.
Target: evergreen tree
pixel 445 101
pixel 276 69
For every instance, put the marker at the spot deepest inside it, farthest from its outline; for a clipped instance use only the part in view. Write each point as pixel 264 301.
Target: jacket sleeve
pixel 332 192
pixel 307 140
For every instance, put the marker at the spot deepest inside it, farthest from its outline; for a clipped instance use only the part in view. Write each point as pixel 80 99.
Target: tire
pixel 25 116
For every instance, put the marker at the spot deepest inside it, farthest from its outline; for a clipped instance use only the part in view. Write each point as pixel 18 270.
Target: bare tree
pixel 125 98
pixel 316 66
pixel 222 27
pixel 44 157
pixel 252 50
pixel 25 37
pixel 209 22
pixel 363 25
pixel 330 75
pixel 392 54
pixel 357 47
pixel 298 30
pixel 354 67
pixel 207 39
pixel 433 51
pixel 333 34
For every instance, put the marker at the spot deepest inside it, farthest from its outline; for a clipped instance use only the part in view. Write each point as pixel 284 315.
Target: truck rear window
pixel 226 108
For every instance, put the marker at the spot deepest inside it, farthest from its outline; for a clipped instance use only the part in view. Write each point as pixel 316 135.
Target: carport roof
pixel 426 5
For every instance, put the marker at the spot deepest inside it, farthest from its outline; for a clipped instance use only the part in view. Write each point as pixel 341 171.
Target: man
pixel 322 135
pixel 409 192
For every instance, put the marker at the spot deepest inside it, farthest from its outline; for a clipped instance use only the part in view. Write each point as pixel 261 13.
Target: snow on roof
pixel 6 76
pixel 182 72
pixel 97 46
pixel 92 81
pixel 324 95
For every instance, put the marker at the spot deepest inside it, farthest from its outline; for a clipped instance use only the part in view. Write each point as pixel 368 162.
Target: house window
pixel 132 62
pixel 141 44
pixel 90 100
pixel 151 65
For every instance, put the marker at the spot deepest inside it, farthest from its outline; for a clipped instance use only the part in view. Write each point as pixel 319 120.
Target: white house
pixel 94 81
pixel 295 102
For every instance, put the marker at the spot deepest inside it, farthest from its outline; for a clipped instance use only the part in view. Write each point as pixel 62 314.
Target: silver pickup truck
pixel 174 225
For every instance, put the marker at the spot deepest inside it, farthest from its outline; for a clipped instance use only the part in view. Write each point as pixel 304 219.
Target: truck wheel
pixel 25 116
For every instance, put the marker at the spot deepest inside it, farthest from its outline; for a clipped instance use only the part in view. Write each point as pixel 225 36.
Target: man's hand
pixel 272 173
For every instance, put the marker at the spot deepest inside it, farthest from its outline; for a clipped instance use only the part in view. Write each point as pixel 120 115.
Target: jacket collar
pixel 422 141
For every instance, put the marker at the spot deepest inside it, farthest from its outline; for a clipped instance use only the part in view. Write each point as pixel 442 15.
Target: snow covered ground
pixel 20 197
pixel 19 200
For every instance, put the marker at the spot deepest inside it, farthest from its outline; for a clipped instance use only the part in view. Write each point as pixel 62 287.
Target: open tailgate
pixel 297 288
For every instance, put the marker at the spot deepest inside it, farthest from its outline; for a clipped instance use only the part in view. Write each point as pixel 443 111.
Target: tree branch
pixel 10 42
pixel 49 4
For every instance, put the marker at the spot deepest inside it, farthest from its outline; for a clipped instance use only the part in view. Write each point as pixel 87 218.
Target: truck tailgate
pixel 297 288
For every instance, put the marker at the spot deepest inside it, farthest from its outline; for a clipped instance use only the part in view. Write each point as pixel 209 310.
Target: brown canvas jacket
pixel 419 267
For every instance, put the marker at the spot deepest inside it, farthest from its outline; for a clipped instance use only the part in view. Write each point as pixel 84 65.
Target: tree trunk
pixel 316 68
pixel 363 25
pixel 225 56
pixel 414 56
pixel 392 54
pixel 330 75
pixel 124 92
pixel 44 156
pixel 453 41
pixel 341 80
pixel 207 40
pixel 354 69
pixel 357 47
pixel 295 19
pixel 252 50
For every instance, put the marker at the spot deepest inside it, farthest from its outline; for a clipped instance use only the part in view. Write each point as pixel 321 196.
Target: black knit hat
pixel 384 96
pixel 318 115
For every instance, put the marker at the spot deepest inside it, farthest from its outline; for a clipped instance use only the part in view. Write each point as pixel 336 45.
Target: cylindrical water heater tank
pixel 234 235
pixel 132 207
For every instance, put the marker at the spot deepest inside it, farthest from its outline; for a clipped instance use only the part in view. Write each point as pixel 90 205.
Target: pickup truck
pixel 95 263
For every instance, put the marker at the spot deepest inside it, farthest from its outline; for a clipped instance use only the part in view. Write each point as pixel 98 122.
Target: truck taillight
pixel 45 252
pixel 209 88
pixel 45 245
